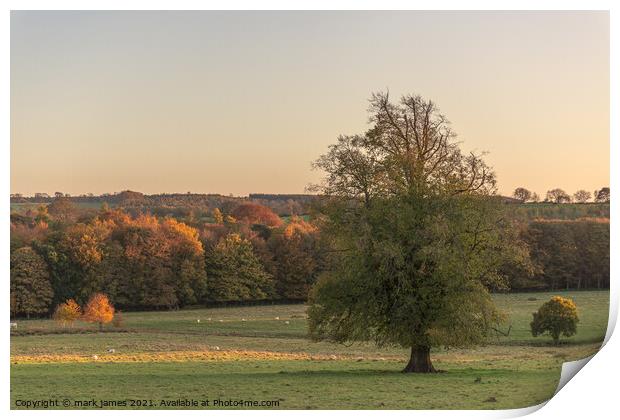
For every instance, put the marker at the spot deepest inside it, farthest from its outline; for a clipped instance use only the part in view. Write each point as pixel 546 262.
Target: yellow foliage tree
pixel 218 216
pixel 98 309
pixel 555 317
pixel 67 313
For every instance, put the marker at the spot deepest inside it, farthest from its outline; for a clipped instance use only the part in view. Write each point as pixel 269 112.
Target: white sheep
pixel 111 351
pixel 221 320
pixel 95 357
pixel 198 321
pixel 13 324
pixel 286 322
pixel 277 318
pixel 242 319
pixel 216 348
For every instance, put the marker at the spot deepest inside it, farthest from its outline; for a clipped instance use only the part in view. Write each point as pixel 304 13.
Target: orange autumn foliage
pixel 255 213
pixel 98 309
pixel 85 241
pixel 298 227
pixel 183 238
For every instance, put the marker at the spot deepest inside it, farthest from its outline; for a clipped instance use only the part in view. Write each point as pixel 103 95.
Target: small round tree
pixel 98 309
pixel 67 313
pixel 555 317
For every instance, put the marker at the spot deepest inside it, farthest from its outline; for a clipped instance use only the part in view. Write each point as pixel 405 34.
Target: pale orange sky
pixel 240 102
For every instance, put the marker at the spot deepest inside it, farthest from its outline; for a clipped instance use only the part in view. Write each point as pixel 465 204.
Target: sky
pixel 242 102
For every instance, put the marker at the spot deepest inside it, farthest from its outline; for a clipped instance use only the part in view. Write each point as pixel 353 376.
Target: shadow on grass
pixel 549 343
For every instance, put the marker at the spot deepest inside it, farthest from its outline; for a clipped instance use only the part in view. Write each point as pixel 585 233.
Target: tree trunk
pixel 420 360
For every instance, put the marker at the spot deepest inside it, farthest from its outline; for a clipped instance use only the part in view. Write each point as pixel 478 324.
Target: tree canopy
pixel 256 213
pixel 582 196
pixel 99 310
pixel 558 195
pixel 418 234
pixel 236 274
pixel 522 194
pixel 556 317
pixel 603 195
pixel 31 291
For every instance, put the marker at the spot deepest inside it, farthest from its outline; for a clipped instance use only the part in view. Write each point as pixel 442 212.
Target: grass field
pixel 262 353
pixel 24 207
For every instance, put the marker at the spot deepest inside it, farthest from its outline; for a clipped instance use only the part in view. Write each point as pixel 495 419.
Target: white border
pixel 594 393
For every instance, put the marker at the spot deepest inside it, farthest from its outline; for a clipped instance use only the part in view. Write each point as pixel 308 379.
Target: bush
pixel 556 317
pixel 67 313
pixel 99 310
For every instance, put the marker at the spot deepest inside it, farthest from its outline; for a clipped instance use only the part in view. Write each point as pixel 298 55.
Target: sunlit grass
pixel 262 352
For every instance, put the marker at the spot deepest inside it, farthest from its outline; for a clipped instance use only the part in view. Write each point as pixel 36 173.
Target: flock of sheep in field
pixel 243 320
pixel 216 348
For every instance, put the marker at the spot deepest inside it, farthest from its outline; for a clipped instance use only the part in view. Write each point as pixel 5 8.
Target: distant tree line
pixel 240 253
pixel 194 208
pixel 148 262
pixel 570 211
pixel 565 254
pixel 178 205
pixel 559 196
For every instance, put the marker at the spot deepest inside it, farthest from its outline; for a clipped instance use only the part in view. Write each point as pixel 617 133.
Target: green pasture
pixel 513 370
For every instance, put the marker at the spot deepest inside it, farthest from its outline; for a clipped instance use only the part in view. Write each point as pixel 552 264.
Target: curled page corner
pixel 614 295
pixel 570 369
pixel 521 412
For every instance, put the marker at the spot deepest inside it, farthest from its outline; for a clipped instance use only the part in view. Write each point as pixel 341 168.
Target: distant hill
pixel 185 204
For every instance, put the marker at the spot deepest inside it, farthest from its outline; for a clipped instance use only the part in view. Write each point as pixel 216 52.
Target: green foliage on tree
pixel 31 291
pixel 556 317
pixel 42 215
pixel 566 254
pixel 235 273
pixel 297 259
pixel 419 234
